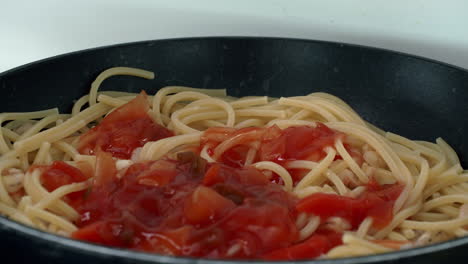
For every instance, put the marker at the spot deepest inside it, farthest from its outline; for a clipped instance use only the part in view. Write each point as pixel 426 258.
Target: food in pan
pixel 194 172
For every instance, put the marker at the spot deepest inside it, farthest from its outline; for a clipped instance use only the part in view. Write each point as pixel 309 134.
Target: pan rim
pixel 142 42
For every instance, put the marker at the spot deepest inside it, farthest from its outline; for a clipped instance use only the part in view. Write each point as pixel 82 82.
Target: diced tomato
pixel 186 207
pixel 213 175
pixel 59 174
pixel 376 202
pixel 313 247
pixel 307 142
pixel 110 232
pixel 270 223
pixel 205 205
pixel 160 173
pixel 166 207
pixel 90 233
pixel 123 130
pixel 235 157
pixel 105 168
pixel 383 198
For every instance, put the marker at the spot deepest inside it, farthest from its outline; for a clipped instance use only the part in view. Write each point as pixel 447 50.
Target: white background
pixel 32 30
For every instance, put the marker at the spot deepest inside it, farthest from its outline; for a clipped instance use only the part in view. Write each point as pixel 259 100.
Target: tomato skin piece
pixel 123 130
pixel 105 171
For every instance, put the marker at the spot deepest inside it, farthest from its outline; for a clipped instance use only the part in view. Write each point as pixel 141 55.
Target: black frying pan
pixel 415 97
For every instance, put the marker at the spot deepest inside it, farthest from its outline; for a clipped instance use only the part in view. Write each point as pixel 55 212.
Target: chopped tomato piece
pixel 160 173
pixel 90 233
pixel 376 202
pixel 59 174
pixel 205 205
pixel 110 232
pixel 123 130
pixel 105 168
pixel 307 142
pixel 165 207
pixel 236 156
pixel 271 224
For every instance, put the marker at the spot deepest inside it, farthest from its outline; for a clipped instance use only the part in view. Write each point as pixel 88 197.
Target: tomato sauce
pixel 275 144
pixel 59 174
pixel 174 207
pixel 123 130
pixel 222 210
pixel 376 202
pixel 187 207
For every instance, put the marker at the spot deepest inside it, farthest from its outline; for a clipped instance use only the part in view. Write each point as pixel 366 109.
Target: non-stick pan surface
pixel 415 97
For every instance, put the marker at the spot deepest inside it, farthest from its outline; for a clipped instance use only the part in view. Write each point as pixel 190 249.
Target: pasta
pixel 357 161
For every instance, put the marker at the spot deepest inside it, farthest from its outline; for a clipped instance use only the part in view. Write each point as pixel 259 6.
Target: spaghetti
pixel 314 150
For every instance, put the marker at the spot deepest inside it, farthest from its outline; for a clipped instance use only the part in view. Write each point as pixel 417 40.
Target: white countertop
pixel 32 30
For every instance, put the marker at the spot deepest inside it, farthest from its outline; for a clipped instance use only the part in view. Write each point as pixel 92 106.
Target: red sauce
pixel 123 130
pixel 377 202
pixel 186 207
pixel 293 143
pixel 59 174
pixel 173 207
pixel 319 243
pixel 274 144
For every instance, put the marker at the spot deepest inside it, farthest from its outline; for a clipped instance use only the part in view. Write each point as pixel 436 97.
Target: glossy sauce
pixel 123 130
pixel 188 207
